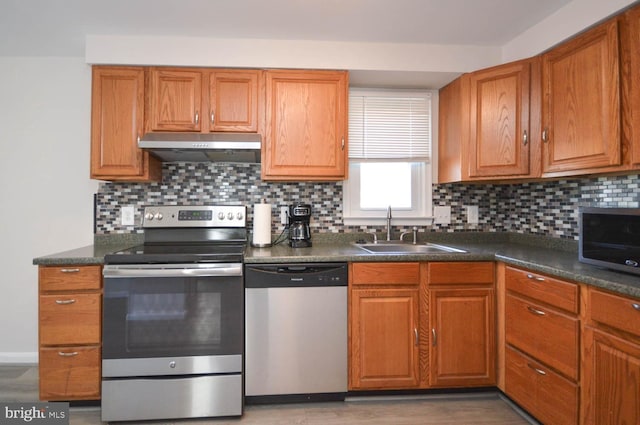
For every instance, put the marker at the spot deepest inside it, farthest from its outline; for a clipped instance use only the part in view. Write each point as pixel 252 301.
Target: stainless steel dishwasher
pixel 295 332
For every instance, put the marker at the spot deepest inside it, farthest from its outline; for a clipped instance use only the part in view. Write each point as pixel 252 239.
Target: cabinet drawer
pixel 543 288
pixel 385 273
pixel 616 311
pixel 546 335
pixel 69 373
pixel 461 273
pixel 548 396
pixel 69 278
pixel 67 319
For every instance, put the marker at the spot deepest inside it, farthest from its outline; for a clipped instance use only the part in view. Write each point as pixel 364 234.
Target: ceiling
pixel 58 28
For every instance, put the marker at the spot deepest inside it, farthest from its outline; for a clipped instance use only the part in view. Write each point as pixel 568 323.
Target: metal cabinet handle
pixel 342 147
pixel 197 118
pixel 538 278
pixel 545 135
pixel 536 311
pixel 525 138
pixel 416 337
pixel 64 302
pixel 538 371
pixel 635 306
pixel 433 333
pixel 213 120
pixel 71 354
pixel 69 270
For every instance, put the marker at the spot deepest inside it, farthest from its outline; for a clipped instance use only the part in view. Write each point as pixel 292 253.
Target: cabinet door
pixel 633 80
pixel 174 100
pixel 581 109
pixel 117 106
pixel 69 373
pixel 384 338
pixel 463 337
pixel 499 121
pixel 611 381
pixel 234 100
pixel 306 130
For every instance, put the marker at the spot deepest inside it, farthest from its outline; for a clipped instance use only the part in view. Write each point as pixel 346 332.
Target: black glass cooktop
pixel 178 253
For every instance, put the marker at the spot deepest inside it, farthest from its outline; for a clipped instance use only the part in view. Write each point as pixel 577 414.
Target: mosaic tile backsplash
pixel 542 208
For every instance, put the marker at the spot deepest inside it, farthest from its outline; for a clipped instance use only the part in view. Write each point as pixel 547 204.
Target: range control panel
pixel 195 216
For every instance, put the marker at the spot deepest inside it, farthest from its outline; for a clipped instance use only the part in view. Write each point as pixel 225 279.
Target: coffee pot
pixel 299 230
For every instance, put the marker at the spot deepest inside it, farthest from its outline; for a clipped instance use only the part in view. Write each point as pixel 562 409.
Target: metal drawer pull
pixel 415 334
pixel 213 120
pixel 636 306
pixel 538 278
pixel 70 270
pixel 64 302
pixel 538 371
pixel 197 117
pixel 525 138
pixel 71 354
pixel 433 332
pixel 536 311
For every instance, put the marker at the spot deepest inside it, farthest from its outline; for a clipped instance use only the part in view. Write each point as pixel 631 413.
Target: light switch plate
pixel 472 214
pixel 283 215
pixel 127 215
pixel 442 214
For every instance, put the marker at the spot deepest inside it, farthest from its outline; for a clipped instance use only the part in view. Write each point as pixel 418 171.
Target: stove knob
pixel 221 215
pixel 230 216
pixel 159 216
pixel 239 216
pixel 149 216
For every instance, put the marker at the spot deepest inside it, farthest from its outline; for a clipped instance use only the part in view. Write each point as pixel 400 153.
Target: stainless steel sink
pixel 385 247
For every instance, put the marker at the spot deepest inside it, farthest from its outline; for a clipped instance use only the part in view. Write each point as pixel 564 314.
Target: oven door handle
pixel 172 270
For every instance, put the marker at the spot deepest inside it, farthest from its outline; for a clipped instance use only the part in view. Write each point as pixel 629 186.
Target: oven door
pixel 172 311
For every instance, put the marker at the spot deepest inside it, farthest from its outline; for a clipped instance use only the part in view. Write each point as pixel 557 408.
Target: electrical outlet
pixel 442 215
pixel 472 214
pixel 127 215
pixel 284 212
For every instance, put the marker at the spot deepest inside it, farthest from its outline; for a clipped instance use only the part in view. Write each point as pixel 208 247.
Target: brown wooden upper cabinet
pixel 201 100
pixel 581 109
pixel 306 125
pixel 500 127
pixel 117 109
pixel 488 121
pixel 631 83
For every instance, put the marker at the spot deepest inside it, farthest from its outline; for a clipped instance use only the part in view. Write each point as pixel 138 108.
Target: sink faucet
pixel 389 223
pixel 414 231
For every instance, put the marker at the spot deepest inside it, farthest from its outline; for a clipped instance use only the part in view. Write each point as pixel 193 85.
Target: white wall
pixel 45 190
pixel 567 21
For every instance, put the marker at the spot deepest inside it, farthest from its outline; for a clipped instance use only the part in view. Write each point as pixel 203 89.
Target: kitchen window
pixel 389 157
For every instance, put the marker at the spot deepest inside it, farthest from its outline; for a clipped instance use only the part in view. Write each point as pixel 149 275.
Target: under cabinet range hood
pixel 203 147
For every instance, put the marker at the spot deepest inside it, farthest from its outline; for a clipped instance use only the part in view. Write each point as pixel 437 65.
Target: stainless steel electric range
pixel 173 317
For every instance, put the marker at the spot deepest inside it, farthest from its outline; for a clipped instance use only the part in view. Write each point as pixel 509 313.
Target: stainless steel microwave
pixel 610 237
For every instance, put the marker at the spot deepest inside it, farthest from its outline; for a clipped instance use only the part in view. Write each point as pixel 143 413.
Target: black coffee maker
pixel 299 230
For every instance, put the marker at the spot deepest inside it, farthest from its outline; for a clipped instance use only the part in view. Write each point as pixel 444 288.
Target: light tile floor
pixel 20 383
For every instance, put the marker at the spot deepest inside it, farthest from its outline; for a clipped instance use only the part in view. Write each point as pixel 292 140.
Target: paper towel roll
pixel 261 225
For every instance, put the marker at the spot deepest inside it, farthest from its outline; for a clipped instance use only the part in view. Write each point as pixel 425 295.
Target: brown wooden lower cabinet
pixel 384 325
pixel 611 360
pixel 70 315
pixel 69 373
pixel 462 322
pixel 548 396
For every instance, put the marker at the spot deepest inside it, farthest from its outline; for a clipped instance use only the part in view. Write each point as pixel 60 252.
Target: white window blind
pixel 392 125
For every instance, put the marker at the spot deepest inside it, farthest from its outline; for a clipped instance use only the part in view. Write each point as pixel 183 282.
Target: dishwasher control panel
pixel 298 274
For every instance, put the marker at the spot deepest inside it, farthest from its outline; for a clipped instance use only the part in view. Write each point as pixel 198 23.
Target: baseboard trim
pixel 18 358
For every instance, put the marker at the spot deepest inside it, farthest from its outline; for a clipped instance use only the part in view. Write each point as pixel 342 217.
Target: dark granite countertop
pixel 539 254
